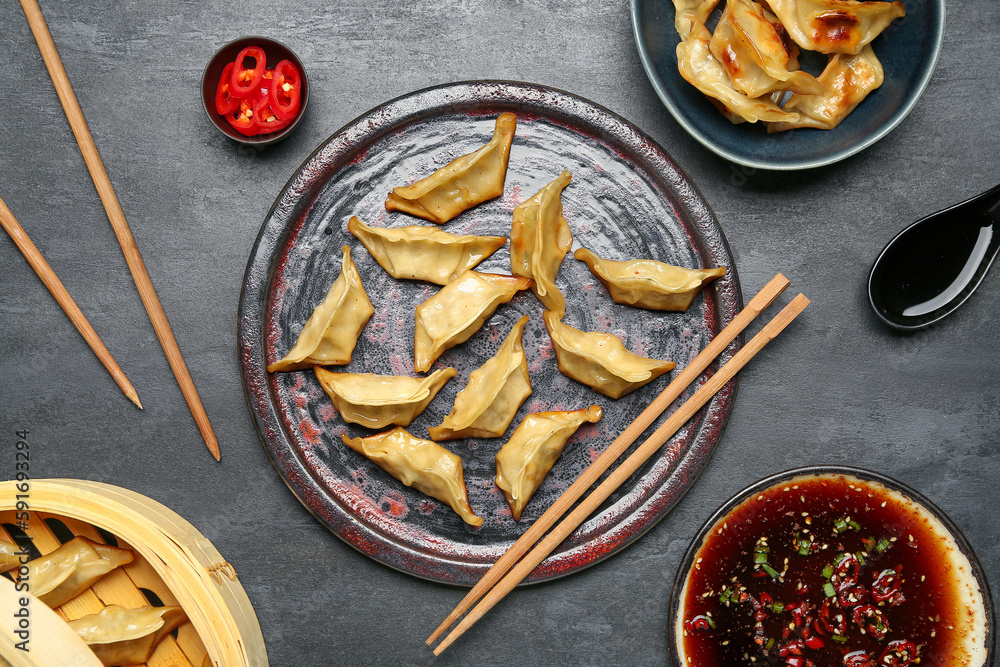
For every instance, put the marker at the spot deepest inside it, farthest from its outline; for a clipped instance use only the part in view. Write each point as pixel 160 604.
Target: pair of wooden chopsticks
pixel 495 585
pixel 122 232
pixel 58 290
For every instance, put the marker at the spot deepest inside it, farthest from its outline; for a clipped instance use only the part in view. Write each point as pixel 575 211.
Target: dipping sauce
pixel 831 570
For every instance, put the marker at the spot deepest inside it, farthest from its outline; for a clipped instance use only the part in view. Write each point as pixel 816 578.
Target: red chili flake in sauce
pixel 820 572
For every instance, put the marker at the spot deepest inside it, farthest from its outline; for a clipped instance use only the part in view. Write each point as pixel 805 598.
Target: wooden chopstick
pixel 58 290
pixel 627 468
pixel 760 302
pixel 118 222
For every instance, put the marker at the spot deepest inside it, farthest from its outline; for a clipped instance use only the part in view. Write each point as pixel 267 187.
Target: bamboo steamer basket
pixel 174 564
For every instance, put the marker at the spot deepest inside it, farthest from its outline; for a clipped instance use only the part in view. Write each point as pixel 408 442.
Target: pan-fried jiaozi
pixel 487 405
pixel 539 239
pixel 61 575
pixel 422 464
pixel 457 311
pixel 752 51
pixel 846 80
pixel 835 26
pixel 332 331
pixel 647 283
pixel 462 183
pixel 600 361
pixel 749 66
pixel 120 636
pixel 525 460
pixel 424 253
pixel 379 400
pixel 688 12
pixel 699 67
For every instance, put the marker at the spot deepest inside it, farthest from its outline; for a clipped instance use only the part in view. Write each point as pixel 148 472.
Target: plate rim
pixel 897 117
pixel 252 303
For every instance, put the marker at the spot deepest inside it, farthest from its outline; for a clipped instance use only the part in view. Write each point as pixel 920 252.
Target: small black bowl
pixel 275 52
pixel 919 508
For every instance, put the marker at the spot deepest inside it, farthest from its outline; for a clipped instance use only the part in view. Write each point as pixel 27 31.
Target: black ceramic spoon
pixel 930 268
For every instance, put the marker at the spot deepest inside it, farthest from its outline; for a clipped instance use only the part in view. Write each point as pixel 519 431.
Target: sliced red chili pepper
pixel 851 596
pixel 224 102
pixel 242 119
pixel 815 643
pixel 847 571
pixel 886 586
pixel 265 119
pixel 245 80
pixel 792 647
pixel 286 91
pixel 699 623
pixel 858 659
pixel 871 621
pixel 833 621
pixel 898 653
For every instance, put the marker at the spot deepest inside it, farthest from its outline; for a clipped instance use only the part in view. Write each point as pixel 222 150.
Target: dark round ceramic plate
pixel 908 50
pixel 627 199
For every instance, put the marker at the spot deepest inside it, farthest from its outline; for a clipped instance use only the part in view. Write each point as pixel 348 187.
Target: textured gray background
pixel 839 388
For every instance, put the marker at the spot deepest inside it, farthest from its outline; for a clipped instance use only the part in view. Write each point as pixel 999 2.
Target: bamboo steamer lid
pixel 193 570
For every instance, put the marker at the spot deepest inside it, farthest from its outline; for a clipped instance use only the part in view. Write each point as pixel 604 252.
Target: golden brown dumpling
pixel 647 283
pixel 485 408
pixel 835 26
pixel 457 311
pixel 120 636
pixel 525 460
pixel 61 575
pixel 846 80
pixel 10 555
pixel 424 253
pixel 600 361
pixel 332 331
pixel 422 464
pixel 379 400
pixel 752 51
pixel 699 67
pixel 688 12
pixel 462 183
pixel 539 239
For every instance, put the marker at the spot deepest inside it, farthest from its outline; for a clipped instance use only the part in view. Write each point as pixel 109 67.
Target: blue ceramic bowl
pixel 908 50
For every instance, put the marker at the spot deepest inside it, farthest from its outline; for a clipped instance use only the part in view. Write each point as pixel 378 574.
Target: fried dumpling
pixel 10 555
pixel 699 67
pixel 120 636
pixel 379 400
pixel 422 464
pixel 424 253
pixel 846 80
pixel 752 51
pixel 462 183
pixel 525 459
pixel 647 283
pixel 332 331
pixel 835 26
pixel 687 12
pixel 539 239
pixel 599 360
pixel 457 311
pixel 485 408
pixel 63 574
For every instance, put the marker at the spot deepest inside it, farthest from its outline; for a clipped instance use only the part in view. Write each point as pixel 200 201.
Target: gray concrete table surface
pixel 839 388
